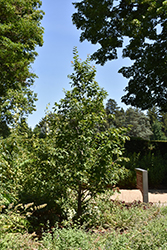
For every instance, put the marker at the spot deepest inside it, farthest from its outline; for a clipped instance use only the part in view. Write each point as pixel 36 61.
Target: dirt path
pixel 155 196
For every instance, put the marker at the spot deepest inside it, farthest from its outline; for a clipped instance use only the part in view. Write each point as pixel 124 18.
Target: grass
pixel 107 225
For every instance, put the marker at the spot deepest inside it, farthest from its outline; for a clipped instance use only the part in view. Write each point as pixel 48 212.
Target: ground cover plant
pixel 108 224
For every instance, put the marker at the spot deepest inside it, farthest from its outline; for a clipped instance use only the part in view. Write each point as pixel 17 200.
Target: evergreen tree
pixel 157 131
pixel 164 123
pixel 23 128
pixel 118 115
pixel 153 114
pixel 139 123
pixel 158 121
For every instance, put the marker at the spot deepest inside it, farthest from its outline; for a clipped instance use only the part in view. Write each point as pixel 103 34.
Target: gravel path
pixel 155 196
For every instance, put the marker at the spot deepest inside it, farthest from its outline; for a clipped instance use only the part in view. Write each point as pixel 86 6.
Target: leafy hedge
pixel 138 145
pixel 155 164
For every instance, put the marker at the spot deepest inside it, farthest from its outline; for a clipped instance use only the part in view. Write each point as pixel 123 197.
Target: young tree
pixel 20 33
pixel 87 153
pixel 77 157
pixel 108 22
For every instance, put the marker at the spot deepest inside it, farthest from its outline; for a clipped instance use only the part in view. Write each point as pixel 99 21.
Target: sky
pixel 53 63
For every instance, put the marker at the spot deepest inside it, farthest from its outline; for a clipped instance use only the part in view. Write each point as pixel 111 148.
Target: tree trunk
pixel 79 211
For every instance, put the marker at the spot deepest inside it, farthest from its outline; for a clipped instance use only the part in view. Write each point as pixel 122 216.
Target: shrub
pixel 152 235
pixel 103 212
pixel 111 225
pixel 67 238
pixel 18 241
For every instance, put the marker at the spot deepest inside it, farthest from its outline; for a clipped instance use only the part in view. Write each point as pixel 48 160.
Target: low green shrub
pixel 150 235
pixel 108 225
pixel 18 241
pixel 12 220
pixel 114 225
pixel 15 218
pixel 67 238
pixel 103 212
pixel 28 174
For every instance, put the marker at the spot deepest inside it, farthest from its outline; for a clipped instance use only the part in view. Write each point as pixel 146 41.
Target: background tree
pixel 108 22
pixel 133 118
pixel 157 131
pixel 153 114
pixel 158 123
pixel 118 113
pixel 164 123
pixel 23 128
pixel 139 122
pixel 20 33
pixel 43 127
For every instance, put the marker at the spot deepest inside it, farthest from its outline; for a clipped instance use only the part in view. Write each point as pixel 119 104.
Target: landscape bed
pixel 107 224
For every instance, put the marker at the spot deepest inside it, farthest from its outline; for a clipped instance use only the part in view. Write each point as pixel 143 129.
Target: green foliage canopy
pixel 143 22
pixel 20 33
